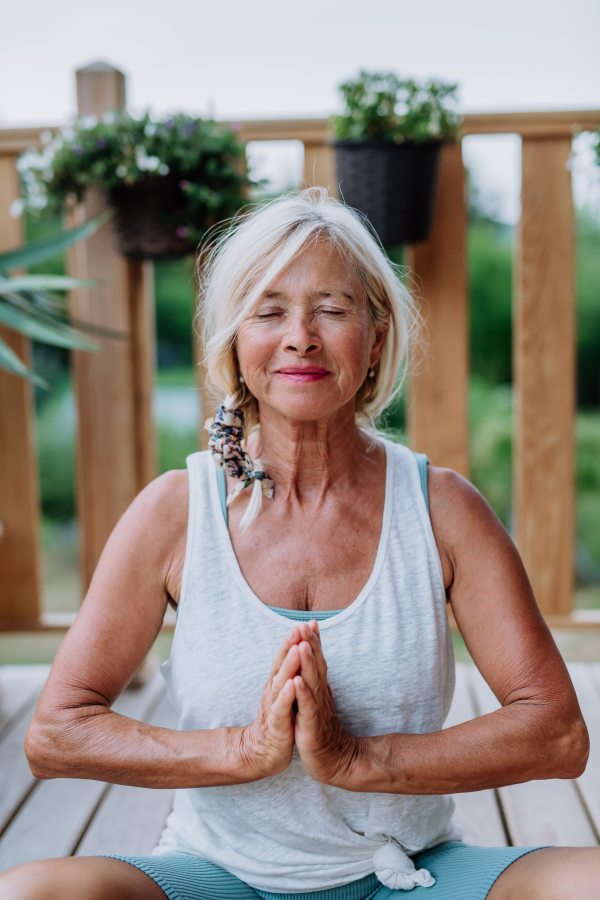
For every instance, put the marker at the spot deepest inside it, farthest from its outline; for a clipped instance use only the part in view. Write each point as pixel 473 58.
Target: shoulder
pixel 447 488
pixel 166 497
pixel 460 517
pixel 147 547
pixel 157 517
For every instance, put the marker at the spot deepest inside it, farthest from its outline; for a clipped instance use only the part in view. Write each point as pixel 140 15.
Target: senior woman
pixel 325 576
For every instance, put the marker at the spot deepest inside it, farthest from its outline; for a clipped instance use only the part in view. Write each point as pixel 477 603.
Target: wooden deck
pixel 42 819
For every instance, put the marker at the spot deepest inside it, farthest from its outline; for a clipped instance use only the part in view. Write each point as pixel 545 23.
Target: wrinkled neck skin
pixel 306 459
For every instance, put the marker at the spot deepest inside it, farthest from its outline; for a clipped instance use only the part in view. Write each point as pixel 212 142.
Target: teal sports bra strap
pixel 222 485
pixel 422 463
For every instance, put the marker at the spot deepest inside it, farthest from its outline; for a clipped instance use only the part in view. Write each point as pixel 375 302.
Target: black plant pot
pixel 392 184
pixel 150 218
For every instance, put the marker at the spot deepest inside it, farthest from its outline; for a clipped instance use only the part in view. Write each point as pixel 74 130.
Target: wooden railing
pixel 116 437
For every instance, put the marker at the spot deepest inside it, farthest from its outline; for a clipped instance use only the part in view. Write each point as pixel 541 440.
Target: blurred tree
pixel 175 302
pixel 490 253
pixel 588 303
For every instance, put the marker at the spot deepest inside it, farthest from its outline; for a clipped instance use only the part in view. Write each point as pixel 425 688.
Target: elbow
pixel 41 750
pixel 574 750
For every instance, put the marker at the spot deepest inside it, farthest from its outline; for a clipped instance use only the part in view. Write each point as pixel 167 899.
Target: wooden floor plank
pixel 477 811
pixel 16 779
pixel 51 822
pixel 595 674
pixel 589 701
pixel 55 815
pixel 538 813
pixel 129 819
pixel 19 688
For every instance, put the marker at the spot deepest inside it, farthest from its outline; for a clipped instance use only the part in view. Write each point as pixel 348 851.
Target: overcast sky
pixel 263 58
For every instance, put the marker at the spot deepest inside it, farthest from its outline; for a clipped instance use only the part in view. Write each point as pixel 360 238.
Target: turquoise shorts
pixel 461 872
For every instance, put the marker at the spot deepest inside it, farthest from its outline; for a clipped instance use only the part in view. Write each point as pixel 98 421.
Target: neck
pixel 305 459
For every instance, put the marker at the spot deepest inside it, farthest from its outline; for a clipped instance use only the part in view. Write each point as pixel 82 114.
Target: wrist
pixel 233 759
pixel 367 768
pixel 352 759
pixel 243 760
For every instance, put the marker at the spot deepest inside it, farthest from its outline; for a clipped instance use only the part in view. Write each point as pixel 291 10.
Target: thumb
pixel 281 709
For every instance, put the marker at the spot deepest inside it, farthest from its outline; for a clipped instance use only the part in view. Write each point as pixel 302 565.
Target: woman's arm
pixel 538 733
pixel 74 733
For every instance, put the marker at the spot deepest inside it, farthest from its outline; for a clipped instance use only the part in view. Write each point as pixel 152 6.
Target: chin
pixel 304 408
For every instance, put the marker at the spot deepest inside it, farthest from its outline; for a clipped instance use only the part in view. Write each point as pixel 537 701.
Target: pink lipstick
pixel 302 374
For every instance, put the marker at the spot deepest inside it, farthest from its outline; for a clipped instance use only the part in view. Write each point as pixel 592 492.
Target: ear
pixel 381 333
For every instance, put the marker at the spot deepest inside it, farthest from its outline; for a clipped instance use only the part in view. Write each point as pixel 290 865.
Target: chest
pixel 312 558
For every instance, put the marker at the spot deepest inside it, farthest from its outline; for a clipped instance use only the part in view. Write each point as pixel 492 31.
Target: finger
pixel 292 637
pixel 281 710
pixel 289 668
pixel 308 713
pixel 308 668
pixel 315 642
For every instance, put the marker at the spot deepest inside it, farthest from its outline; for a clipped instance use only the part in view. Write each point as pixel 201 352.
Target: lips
pixel 303 374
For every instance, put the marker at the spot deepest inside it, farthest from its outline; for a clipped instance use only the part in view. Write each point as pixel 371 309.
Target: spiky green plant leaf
pixel 47 248
pixel 42 283
pixel 56 333
pixel 11 362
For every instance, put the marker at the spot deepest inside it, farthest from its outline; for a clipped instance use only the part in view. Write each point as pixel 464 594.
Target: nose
pixel 300 335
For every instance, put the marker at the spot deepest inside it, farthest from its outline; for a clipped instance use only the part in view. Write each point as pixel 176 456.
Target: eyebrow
pixel 279 295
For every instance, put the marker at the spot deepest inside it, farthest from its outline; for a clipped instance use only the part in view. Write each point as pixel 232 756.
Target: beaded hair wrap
pixel 226 432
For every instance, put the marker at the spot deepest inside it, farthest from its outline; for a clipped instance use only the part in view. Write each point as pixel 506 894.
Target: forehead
pixel 320 266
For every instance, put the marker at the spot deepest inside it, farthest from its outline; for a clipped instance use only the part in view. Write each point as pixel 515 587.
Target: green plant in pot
pixel 169 180
pixel 387 144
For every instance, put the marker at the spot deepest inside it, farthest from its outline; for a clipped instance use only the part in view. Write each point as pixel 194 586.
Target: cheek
pixel 254 351
pixel 351 349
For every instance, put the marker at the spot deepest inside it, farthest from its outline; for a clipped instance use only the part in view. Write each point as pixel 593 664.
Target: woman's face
pixel 306 349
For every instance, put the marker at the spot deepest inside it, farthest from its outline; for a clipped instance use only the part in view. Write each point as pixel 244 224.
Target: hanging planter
pixel 149 217
pixel 169 181
pixel 393 185
pixel 387 152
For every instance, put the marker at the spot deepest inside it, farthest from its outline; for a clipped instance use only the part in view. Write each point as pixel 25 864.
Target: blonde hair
pixel 240 263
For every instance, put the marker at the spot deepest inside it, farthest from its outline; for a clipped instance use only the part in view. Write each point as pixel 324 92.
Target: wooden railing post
pixel 320 168
pixel 544 352
pixel 438 389
pixel 20 583
pixel 114 387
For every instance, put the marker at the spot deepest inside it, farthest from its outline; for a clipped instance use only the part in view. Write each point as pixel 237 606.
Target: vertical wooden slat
pixel 20 583
pixel 319 167
pixel 438 391
pixel 544 352
pixel 114 387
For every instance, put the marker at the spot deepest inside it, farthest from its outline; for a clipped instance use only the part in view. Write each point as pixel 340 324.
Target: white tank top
pixel 391 669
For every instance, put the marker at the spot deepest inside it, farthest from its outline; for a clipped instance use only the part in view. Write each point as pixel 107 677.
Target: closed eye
pixel 332 312
pixel 269 314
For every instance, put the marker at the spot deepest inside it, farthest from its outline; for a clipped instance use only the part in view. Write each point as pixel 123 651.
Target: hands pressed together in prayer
pixel 297 707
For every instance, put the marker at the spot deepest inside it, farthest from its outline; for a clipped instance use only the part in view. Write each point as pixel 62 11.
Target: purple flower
pixel 77 149
pixel 184 184
pixel 190 128
pixel 101 143
pixel 169 123
pixel 181 231
pixel 237 126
